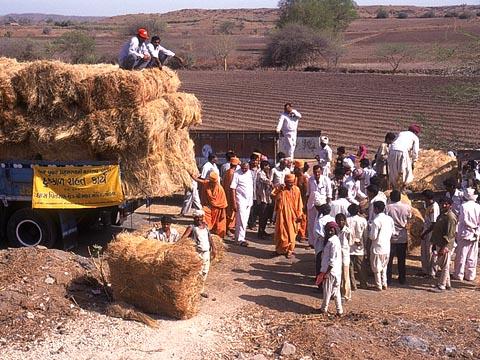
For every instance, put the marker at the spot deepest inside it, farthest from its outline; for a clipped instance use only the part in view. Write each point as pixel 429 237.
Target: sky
pixel 116 7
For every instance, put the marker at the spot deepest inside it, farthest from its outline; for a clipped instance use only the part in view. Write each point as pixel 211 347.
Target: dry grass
pixel 98 112
pixel 432 168
pixel 156 277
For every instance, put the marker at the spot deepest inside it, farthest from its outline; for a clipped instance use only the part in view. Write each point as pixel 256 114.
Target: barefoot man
pixel 289 213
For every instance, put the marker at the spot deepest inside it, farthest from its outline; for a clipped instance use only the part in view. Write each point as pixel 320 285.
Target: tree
pixel 47 30
pixel 294 45
pixel 78 45
pixel 226 27
pixel 155 26
pixel 221 47
pixel 331 15
pixel 402 15
pixel 395 54
pixel 382 13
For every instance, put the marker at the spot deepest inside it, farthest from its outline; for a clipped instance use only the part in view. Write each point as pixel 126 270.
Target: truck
pixel 24 226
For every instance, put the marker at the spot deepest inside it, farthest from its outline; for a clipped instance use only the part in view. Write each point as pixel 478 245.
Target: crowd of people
pixel 349 210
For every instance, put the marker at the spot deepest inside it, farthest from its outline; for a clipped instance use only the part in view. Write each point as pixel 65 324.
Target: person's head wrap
pixel 469 194
pixel 235 161
pixel 348 163
pixel 142 33
pixel 198 213
pixel 415 128
pixel 362 151
pixel 213 176
pixel 324 139
pixel 290 177
pixel 332 225
pixel 299 164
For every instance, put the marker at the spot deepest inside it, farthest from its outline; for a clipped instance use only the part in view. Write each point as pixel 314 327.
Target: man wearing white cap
pixel 468 235
pixel 287 130
pixel 319 192
pixel 325 155
pixel 242 186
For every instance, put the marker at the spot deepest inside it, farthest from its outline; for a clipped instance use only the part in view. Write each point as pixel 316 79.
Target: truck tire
pixel 27 228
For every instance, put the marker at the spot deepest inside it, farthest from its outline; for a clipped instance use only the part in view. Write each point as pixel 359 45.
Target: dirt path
pixel 257 302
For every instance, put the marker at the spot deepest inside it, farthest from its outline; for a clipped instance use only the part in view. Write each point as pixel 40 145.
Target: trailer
pixel 23 225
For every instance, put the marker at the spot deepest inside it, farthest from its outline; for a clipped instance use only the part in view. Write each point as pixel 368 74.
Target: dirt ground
pixel 256 303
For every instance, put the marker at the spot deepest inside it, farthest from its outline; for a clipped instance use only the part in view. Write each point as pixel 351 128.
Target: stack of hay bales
pixel 99 112
pixel 156 277
pixel 432 168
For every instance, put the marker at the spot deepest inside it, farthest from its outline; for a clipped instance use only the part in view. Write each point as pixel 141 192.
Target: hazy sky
pixel 116 7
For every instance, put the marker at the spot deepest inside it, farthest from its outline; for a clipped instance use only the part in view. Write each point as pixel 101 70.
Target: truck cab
pixel 21 225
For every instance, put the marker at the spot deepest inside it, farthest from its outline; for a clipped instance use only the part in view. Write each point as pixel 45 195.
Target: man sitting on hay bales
pixel 205 246
pixel 160 55
pixel 134 54
pixel 164 232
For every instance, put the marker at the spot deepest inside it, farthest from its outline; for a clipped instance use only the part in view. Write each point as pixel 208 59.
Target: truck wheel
pixel 27 228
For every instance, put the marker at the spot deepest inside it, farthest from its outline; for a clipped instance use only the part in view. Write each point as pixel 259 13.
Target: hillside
pixel 35 18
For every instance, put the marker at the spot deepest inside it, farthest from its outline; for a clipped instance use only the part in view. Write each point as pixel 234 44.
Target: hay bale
pixel 156 277
pixel 431 169
pixel 58 90
pixel 123 88
pixel 185 109
pixel 8 96
pixel 219 247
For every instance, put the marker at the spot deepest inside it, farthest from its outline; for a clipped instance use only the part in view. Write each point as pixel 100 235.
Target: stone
pixel 288 349
pixel 30 316
pixel 414 343
pixel 49 280
pixel 450 351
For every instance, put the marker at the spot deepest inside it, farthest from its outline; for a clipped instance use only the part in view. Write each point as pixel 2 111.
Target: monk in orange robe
pixel 215 204
pixel 226 182
pixel 288 205
pixel 301 181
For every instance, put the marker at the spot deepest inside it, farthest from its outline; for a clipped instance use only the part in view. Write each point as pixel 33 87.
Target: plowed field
pixel 352 109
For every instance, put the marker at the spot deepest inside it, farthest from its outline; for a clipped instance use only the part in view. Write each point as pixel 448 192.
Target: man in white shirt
pixel 402 154
pixel 374 194
pixel 159 55
pixel 381 231
pixel 319 190
pixel 209 166
pixel 401 214
pixel 358 262
pixel 279 172
pixel 287 130
pixel 432 212
pixel 340 206
pixel 325 155
pixel 368 174
pixel 352 183
pixel 322 219
pixel 242 186
pixel 134 54
pixel 224 168
pixel 454 194
pixel 468 235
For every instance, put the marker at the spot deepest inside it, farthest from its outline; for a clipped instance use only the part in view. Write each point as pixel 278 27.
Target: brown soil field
pixel 256 303
pixel 352 109
pixel 192 32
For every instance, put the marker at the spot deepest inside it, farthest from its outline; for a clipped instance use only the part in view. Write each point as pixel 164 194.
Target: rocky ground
pixel 259 307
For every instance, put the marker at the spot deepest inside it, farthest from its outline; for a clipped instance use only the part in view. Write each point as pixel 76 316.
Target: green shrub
pixel 382 13
pixel 402 15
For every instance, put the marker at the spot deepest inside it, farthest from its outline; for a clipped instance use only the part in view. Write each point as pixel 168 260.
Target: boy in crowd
pixel 431 214
pixel 345 236
pixel 358 263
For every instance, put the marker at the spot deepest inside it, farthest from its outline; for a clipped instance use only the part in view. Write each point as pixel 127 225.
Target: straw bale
pixel 219 247
pixel 56 89
pixel 156 277
pixel 123 88
pixel 431 169
pixel 8 68
pixel 185 109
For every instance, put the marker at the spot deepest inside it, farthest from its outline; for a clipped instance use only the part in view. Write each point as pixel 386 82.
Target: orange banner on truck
pixel 76 187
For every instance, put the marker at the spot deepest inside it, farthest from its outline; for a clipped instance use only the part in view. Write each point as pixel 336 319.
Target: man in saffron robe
pixel 301 181
pixel 227 182
pixel 215 204
pixel 289 213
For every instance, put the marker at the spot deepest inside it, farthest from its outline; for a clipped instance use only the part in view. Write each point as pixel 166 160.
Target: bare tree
pixel 395 54
pixel 221 47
